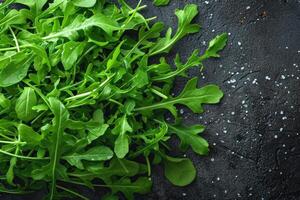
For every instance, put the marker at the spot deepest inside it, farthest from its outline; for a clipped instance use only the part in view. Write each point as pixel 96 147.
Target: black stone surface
pixel 254 132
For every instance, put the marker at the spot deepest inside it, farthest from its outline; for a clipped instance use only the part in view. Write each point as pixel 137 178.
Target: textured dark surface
pixel 254 132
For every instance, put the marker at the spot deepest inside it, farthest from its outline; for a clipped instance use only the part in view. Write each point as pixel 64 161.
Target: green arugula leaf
pixel 189 136
pixel 193 61
pixel 179 171
pixel 16 70
pixel 61 115
pixel 28 135
pixel 84 3
pixel 191 96
pixel 141 186
pixel 122 142
pixel 80 23
pixel 185 27
pixel 25 103
pixel 99 153
pixel 71 52
pixel 161 2
pixel 215 45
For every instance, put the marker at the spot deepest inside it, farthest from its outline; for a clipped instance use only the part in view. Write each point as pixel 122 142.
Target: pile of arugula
pixel 82 94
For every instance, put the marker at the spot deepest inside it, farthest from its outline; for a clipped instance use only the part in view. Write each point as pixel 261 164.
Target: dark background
pixel 254 132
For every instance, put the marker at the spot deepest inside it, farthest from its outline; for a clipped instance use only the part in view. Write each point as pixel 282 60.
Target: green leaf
pixel 215 45
pixel 80 23
pixel 189 137
pixel 28 135
pixel 16 70
pixel 191 96
pixel 70 54
pixel 84 3
pixel 99 153
pixel 193 61
pixel 25 103
pixel 122 142
pixel 179 171
pixel 95 133
pixel 161 2
pixel 61 115
pixel 185 27
pixel 141 186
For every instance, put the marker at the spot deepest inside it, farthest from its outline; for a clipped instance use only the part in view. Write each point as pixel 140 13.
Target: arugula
pixel 161 2
pixel 84 88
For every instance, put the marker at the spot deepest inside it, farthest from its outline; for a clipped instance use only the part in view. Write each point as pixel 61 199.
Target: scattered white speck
pixel 232 113
pixel 284 118
pixel 254 81
pixel 268 78
pixel 275 136
pixel 206 2
pixel 225 191
pixel 248 7
pixel 181 111
pixel 281 112
pixel 281 129
pixel 282 77
pixel 283 145
pixel 280 173
pixel 286 47
pixel 212 159
pixel 218 178
pixel 183 194
pixel 231 81
pixel 239 43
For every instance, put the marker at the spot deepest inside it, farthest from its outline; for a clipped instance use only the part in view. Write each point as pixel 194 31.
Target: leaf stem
pixel 23 157
pixel 15 39
pixel 11 142
pixel 72 192
pixel 158 93
pixel 14 48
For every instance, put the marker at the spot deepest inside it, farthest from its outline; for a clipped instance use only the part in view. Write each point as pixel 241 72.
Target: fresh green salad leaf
pixel 84 89
pixel 161 2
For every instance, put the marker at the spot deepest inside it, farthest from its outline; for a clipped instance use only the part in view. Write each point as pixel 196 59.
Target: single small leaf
pixel 193 61
pixel 95 133
pixel 141 186
pixel 122 142
pixel 161 2
pixel 70 54
pixel 28 135
pixel 191 96
pixel 25 103
pixel 61 115
pixel 185 17
pixel 16 70
pixel 99 153
pixel 215 45
pixel 189 137
pixel 84 3
pixel 179 171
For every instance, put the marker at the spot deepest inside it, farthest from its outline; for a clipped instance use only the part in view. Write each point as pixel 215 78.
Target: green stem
pixel 72 192
pixel 11 142
pixel 158 93
pixel 23 157
pixel 14 48
pixel 15 39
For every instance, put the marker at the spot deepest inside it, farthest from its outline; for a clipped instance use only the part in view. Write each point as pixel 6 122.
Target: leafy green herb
pixel 83 97
pixel 161 2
